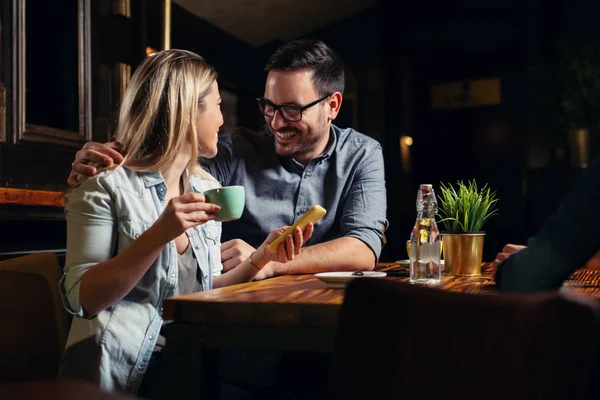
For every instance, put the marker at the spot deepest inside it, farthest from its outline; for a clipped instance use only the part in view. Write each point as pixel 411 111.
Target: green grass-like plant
pixel 465 208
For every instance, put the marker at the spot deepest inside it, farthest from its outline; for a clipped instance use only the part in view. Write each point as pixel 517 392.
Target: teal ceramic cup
pixel 231 199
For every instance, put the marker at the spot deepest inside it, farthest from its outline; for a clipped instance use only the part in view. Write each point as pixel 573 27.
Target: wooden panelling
pixel 22 131
pixel 31 197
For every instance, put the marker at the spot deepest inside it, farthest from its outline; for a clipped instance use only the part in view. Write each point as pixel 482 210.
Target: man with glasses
pixel 300 160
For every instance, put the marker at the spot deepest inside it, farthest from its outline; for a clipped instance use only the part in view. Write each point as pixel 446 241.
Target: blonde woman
pixel 141 231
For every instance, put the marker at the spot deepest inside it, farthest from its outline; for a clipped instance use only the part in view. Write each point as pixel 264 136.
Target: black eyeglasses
pixel 290 113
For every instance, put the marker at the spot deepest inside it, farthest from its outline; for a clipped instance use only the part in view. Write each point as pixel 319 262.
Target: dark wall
pixel 440 43
pixel 359 42
pixel 27 229
pixel 239 65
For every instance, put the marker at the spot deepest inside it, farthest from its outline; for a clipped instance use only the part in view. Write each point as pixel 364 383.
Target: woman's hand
pixel 256 264
pixel 287 250
pixel 183 212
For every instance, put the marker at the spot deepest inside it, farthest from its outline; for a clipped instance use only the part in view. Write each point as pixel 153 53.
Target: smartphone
pixel 313 215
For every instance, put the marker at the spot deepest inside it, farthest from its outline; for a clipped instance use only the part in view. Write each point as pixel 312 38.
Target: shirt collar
pixel 152 178
pixel 194 183
pixel 331 145
pixel 155 178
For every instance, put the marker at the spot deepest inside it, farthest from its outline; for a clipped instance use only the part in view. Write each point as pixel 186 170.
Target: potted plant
pixel 566 85
pixel 463 210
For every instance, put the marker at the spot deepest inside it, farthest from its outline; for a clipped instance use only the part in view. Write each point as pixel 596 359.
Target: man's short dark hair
pixel 314 55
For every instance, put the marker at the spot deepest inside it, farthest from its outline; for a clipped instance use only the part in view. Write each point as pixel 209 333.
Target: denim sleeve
pixel 220 165
pixel 568 238
pixel 364 209
pixel 91 237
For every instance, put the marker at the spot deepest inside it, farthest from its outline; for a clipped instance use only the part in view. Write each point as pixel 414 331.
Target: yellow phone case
pixel 313 215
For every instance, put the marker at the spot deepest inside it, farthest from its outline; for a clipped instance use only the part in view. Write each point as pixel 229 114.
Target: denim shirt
pixel 348 180
pixel 104 216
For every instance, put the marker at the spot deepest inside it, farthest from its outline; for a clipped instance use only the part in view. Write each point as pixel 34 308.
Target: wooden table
pixel 291 313
pixel 301 307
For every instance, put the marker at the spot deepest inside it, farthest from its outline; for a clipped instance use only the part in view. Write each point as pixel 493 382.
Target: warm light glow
pixel 150 51
pixel 405 143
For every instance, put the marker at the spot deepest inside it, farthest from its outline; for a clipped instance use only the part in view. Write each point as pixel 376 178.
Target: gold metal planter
pixel 463 253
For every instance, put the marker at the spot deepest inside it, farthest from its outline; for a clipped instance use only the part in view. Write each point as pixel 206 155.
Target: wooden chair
pixel 397 341
pixel 34 323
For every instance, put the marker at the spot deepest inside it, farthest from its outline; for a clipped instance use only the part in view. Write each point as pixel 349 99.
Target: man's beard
pixel 301 145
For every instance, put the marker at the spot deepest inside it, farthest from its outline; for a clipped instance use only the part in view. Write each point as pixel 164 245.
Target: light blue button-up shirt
pixel 348 180
pixel 104 216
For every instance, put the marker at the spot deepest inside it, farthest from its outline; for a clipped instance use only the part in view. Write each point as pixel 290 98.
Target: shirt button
pixel 299 213
pixel 197 247
pixel 150 337
pixel 161 189
pixel 137 235
pixel 205 276
pixel 141 367
pixel 172 275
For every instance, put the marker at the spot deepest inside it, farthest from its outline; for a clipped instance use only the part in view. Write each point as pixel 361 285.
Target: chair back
pixel 398 340
pixel 62 389
pixel 34 322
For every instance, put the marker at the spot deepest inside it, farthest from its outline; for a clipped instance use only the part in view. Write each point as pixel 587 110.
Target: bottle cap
pixel 426 186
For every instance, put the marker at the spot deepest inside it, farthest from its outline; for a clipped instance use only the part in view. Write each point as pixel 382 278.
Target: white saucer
pixel 339 280
pixel 406 263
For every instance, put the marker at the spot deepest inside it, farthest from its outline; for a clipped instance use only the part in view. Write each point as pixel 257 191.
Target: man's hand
pixel 265 273
pixel 594 262
pixel 104 155
pixel 506 252
pixel 233 252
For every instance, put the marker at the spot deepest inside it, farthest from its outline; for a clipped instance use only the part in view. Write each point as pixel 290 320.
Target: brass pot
pixel 463 253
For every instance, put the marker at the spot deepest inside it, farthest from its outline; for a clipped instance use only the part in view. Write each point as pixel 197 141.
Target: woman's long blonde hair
pixel 161 103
